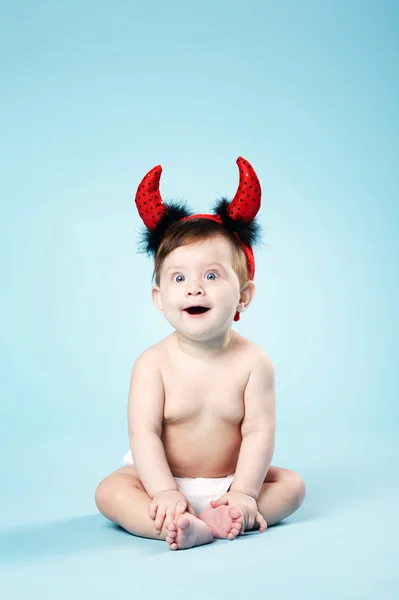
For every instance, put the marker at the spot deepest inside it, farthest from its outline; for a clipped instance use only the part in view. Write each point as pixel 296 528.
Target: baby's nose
pixel 195 289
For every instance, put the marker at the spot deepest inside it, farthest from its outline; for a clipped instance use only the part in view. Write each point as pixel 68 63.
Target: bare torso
pixel 203 407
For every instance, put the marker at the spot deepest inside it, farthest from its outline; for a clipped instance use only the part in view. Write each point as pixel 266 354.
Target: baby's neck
pixel 206 349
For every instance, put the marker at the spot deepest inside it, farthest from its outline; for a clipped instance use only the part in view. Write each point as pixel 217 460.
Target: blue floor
pixel 342 543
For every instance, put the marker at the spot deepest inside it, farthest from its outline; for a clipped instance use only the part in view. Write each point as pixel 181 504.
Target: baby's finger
pixel 180 507
pixel 170 515
pixel 191 510
pixel 219 502
pixel 159 520
pixel 240 523
pixel 152 510
pixel 262 522
pixel 251 521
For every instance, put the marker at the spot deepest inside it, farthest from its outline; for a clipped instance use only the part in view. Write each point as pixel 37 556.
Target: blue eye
pixel 211 273
pixel 178 278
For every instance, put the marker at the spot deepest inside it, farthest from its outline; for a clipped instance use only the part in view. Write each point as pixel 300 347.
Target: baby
pixel 201 409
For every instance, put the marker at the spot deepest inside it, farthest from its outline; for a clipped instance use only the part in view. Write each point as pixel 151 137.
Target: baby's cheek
pixel 173 303
pixel 172 310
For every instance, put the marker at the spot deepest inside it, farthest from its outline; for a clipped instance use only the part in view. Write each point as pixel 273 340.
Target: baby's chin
pixel 204 340
pixel 201 330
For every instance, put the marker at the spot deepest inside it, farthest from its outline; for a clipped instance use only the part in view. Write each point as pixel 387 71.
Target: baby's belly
pixel 194 451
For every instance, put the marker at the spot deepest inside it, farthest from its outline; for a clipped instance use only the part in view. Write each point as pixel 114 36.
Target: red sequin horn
pixel 246 203
pixel 148 199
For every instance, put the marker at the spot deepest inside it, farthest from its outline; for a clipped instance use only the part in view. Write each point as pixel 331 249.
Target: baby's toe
pixel 239 520
pixel 235 530
pixel 235 513
pixel 182 522
pixel 172 533
pixel 171 536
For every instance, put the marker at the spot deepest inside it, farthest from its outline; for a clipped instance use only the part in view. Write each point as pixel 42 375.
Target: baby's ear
pixel 246 296
pixel 157 298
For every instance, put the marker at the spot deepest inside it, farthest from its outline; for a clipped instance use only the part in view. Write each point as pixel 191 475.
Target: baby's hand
pixel 247 505
pixel 165 506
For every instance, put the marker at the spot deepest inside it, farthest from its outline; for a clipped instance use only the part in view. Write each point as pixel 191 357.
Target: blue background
pixel 93 95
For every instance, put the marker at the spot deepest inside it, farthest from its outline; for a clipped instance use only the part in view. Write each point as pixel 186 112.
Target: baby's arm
pixel 257 429
pixel 257 446
pixel 145 416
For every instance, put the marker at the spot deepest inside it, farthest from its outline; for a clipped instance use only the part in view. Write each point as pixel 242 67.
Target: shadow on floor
pixel 92 532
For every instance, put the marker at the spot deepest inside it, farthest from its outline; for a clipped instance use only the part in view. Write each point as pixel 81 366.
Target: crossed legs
pixel 122 498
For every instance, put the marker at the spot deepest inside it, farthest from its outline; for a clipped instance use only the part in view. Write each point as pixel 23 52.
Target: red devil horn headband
pixel 245 204
pixel 237 216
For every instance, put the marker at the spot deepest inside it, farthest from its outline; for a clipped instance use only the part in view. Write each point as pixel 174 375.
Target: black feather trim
pixel 250 233
pixel 150 241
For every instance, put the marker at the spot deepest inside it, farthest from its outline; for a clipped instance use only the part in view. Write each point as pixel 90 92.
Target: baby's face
pixel 201 276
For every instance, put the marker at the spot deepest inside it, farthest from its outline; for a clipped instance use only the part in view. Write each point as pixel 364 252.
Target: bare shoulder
pixel 152 356
pixel 262 360
pixel 257 357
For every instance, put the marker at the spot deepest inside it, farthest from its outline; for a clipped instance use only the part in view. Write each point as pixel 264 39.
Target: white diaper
pixel 199 491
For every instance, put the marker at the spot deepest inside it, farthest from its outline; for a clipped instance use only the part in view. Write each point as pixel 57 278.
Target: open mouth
pixel 197 310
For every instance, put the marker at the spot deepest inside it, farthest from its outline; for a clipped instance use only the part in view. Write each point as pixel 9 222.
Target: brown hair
pixel 194 231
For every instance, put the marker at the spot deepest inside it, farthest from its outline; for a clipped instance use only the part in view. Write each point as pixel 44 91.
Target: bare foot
pixel 187 531
pixel 224 521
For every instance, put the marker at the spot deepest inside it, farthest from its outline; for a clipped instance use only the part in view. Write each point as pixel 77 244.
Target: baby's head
pixel 204 263
pixel 201 264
